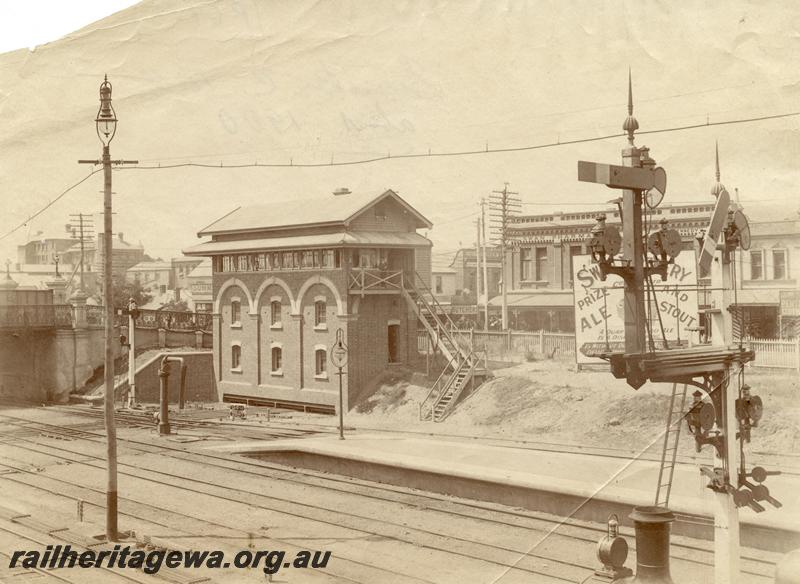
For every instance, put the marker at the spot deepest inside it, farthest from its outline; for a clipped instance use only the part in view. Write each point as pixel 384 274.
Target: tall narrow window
pixel 321 362
pixel 275 313
pixel 574 251
pixel 236 357
pixel 320 317
pixel 236 312
pixel 277 359
pixel 541 263
pixel 756 265
pixel 525 267
pixel 778 264
pixel 438 285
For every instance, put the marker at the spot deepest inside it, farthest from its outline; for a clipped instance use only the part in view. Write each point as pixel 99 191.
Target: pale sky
pixel 245 81
pixel 27 23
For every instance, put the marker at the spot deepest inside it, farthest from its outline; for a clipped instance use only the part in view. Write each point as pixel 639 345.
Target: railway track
pixel 488 514
pixel 275 426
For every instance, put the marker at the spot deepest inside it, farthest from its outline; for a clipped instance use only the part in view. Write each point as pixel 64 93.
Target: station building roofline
pixel 296 213
pixel 341 239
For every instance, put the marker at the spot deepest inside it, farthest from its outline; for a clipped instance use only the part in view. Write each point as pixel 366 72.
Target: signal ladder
pixel 669 452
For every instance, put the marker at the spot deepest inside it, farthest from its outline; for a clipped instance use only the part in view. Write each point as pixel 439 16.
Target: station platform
pixel 577 486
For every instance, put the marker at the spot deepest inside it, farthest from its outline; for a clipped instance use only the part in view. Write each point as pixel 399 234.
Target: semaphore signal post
pixel 723 411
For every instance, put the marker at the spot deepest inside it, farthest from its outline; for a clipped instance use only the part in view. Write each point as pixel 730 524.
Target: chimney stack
pixel 341 191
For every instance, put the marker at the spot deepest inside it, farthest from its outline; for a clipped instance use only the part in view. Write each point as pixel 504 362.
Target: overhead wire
pixel 51 203
pixel 418 155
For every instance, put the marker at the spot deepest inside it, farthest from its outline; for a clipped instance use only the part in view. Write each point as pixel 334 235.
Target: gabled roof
pixel 289 213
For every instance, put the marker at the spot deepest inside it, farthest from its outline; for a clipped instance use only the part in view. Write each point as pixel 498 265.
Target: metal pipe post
pixel 131 361
pixel 163 377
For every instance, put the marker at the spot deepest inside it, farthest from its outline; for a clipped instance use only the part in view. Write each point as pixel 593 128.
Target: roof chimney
pixel 341 191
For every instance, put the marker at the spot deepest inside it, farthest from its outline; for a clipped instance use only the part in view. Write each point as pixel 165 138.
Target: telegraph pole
pixel 502 205
pixel 106 125
pixel 84 225
pixel 485 271
pixel 478 267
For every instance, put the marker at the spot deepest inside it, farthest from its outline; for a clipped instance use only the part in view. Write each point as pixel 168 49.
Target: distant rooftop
pixel 202 270
pixel 149 266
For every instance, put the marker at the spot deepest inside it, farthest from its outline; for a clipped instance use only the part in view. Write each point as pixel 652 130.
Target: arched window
pixel 277 359
pixel 236 312
pixel 275 313
pixel 319 313
pixel 321 358
pixel 236 357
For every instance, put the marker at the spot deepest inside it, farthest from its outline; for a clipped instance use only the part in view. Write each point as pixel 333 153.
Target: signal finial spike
pixel 630 125
pixel 630 93
pixel 718 187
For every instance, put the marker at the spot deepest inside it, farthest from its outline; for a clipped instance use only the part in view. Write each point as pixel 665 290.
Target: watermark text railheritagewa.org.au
pixel 63 556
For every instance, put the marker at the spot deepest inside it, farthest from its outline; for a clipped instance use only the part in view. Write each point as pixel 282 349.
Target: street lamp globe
pixel 106 119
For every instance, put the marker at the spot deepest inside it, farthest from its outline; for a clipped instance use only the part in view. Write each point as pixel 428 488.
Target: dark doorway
pixel 394 341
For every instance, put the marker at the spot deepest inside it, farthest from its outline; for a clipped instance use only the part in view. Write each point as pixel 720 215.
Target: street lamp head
pixel 106 119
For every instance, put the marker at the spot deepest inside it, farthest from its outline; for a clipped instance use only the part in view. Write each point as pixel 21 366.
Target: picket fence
pixel 502 346
pixel 776 353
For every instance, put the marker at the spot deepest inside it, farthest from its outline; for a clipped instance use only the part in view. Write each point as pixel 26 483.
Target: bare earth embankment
pixel 551 401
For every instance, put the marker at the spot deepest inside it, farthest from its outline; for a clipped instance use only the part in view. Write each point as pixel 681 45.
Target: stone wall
pixel 46 365
pixel 200 383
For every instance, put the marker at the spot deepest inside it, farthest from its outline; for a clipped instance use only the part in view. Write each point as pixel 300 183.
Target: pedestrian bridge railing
pixel 36 316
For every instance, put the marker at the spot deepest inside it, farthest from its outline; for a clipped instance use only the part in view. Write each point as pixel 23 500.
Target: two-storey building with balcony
pixel 286 276
pixel 543 248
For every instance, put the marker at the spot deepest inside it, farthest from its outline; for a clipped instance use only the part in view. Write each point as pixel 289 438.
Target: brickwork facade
pixel 281 293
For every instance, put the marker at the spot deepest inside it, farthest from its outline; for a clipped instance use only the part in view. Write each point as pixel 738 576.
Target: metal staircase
pixel 454 345
pixel 669 451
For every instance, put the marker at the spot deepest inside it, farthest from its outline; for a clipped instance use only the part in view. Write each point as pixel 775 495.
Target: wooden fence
pixel 777 353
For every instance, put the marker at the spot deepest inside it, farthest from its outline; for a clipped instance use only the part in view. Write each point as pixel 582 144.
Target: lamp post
pixel 106 125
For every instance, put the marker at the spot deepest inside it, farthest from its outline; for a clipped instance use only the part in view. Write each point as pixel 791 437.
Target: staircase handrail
pixel 449 327
pixel 473 363
pixel 439 385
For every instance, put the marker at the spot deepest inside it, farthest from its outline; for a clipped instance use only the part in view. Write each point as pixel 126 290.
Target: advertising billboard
pixel 600 308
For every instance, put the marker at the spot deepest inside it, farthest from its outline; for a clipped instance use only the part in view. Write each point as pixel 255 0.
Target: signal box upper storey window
pixel 316 259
